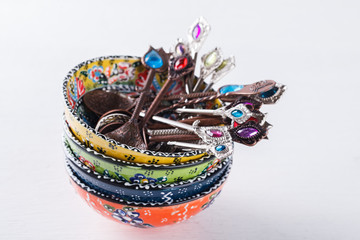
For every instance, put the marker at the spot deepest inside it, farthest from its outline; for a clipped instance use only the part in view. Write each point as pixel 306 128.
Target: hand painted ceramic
pixel 137 172
pixel 147 193
pixel 145 215
pixel 123 73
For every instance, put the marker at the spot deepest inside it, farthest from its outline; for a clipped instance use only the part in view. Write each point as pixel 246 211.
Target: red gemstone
pixel 249 120
pixel 253 119
pixel 181 63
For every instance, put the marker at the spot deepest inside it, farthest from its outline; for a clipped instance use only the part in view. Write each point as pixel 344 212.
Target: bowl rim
pixel 71 111
pixel 67 134
pixel 125 184
pixel 117 200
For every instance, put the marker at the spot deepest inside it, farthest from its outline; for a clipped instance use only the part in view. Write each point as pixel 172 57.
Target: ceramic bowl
pixel 137 172
pixel 129 74
pixel 147 193
pixel 146 215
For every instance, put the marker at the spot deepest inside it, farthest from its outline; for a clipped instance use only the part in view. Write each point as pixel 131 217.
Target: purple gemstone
pixel 247 103
pixel 214 133
pixel 247 132
pixel 196 32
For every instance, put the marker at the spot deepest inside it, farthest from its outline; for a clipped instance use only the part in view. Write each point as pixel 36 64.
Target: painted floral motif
pixel 95 73
pixel 140 178
pixel 212 199
pixel 119 72
pixel 109 208
pixel 106 173
pixel 153 216
pixel 75 91
pixel 71 100
pixel 121 178
pixel 87 163
pixel 176 87
pixel 162 179
pixel 109 70
pixel 141 79
pixel 127 215
pixel 80 87
pixel 71 89
pixel 211 165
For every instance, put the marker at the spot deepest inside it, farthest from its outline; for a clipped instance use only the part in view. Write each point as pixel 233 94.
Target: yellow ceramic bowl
pixel 123 73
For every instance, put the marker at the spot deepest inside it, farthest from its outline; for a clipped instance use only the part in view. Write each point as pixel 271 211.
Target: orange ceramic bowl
pixel 146 215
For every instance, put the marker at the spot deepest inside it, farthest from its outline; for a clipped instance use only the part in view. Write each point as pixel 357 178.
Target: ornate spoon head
pixel 197 34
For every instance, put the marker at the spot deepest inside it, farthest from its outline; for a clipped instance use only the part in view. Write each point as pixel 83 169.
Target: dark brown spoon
pixel 129 133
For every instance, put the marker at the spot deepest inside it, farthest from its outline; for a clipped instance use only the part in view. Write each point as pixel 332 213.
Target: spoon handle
pixel 151 110
pixel 142 97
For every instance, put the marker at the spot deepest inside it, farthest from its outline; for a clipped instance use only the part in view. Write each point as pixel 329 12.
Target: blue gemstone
pixel 220 148
pixel 237 113
pixel 269 93
pixel 230 88
pixel 153 59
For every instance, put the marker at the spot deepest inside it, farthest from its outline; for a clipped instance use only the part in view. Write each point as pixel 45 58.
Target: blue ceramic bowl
pixel 146 215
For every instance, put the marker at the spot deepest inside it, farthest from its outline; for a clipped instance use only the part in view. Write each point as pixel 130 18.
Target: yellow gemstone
pixel 210 59
pixel 222 65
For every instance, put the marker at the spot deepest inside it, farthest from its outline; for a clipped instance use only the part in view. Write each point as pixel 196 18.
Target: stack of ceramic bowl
pixel 141 188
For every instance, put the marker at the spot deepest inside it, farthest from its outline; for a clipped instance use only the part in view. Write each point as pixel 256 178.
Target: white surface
pixel 302 184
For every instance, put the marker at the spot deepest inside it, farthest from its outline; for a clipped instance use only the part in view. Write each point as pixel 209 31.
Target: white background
pixel 302 184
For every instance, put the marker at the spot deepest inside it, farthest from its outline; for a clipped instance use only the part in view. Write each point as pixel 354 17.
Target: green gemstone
pixel 222 65
pixel 210 59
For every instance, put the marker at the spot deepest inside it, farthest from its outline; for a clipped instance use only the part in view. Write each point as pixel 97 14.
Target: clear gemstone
pixel 180 49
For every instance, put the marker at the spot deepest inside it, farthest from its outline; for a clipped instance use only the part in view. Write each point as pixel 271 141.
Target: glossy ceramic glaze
pixel 130 73
pixel 145 215
pixel 147 193
pixel 137 172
